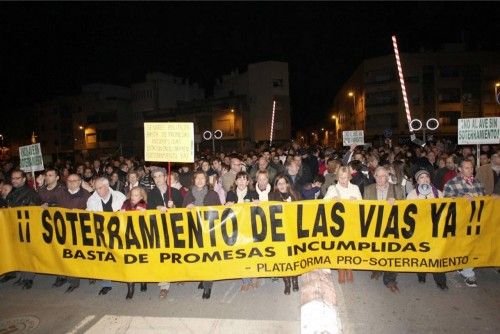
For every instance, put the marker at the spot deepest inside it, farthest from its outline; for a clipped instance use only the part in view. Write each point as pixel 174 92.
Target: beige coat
pixel 485 176
pixel 395 191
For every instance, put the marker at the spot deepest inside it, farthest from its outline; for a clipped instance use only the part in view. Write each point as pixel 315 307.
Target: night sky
pixel 52 49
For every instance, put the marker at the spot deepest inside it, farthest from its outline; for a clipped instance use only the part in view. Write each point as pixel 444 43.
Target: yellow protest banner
pixel 172 142
pixel 269 239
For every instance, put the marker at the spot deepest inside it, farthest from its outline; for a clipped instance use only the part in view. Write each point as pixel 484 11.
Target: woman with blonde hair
pixel 344 189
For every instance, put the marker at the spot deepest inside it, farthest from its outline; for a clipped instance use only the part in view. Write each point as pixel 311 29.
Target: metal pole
pixel 213 145
pixel 478 153
pixel 168 184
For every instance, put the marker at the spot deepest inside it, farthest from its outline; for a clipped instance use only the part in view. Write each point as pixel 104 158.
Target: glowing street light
pixel 1 147
pixel 353 95
pixel 497 92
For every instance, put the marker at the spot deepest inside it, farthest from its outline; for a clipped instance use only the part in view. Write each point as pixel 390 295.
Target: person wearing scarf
pixel 424 190
pixel 262 186
pixel 466 186
pixel 201 195
pixel 242 192
pixel 283 192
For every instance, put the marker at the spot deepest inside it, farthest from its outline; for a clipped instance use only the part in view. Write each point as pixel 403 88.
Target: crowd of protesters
pixel 287 173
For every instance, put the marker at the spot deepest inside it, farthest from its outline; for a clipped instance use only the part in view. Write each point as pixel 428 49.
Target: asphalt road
pixel 365 306
pixel 50 310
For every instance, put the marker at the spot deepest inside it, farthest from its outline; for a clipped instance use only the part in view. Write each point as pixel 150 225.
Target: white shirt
pixel 336 190
pixel 94 203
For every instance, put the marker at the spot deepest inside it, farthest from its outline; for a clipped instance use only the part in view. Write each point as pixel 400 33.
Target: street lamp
pixel 334 118
pixel 1 147
pixel 353 95
pixel 497 92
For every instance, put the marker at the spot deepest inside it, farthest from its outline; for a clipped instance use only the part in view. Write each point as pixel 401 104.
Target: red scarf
pixel 469 179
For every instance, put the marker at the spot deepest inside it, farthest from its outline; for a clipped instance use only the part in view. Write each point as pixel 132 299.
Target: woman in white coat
pixel 344 189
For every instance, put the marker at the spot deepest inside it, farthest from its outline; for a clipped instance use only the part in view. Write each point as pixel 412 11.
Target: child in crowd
pixel 136 200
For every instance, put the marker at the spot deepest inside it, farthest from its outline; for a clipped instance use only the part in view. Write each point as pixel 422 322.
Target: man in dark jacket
pixel 358 177
pixel 73 196
pixel 297 181
pixel 159 199
pixel 49 191
pixel 312 161
pixel 304 173
pixel 21 195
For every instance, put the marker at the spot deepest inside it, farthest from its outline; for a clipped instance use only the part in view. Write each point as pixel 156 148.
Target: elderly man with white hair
pixel 108 200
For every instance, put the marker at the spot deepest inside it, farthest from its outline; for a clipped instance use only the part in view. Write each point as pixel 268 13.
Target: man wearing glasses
pixel 21 195
pixel 228 178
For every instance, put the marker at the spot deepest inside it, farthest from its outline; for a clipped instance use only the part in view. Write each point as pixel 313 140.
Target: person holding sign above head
pixel 424 190
pixel 344 189
pixel 242 191
pixel 382 190
pixel 108 200
pixel 160 198
pixel 283 192
pixel 465 185
pixel 201 195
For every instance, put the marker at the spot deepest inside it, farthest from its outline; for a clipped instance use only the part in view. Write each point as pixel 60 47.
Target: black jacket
pixel 155 198
pixel 361 181
pixel 23 196
pixel 233 197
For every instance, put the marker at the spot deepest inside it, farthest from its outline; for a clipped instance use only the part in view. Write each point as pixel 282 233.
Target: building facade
pixel 261 85
pixel 446 85
pixel 109 119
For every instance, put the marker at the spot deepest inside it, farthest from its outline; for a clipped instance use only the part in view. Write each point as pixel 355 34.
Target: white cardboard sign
pixel 475 131
pixel 356 137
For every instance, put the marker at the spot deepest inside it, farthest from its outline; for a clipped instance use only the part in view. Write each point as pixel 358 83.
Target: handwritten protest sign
pixel 484 130
pixel 31 159
pixel 356 137
pixel 172 142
